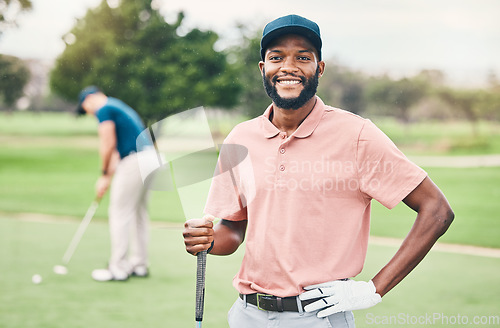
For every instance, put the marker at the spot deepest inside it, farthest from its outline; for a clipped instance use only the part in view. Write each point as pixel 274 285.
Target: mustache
pixel 276 77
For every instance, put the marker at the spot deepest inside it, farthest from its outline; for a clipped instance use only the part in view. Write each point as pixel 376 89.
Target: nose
pixel 288 66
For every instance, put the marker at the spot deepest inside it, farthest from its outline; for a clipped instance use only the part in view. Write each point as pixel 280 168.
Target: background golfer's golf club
pixel 182 142
pixel 62 269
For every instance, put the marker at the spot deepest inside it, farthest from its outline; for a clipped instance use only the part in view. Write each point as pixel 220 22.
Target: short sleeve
pixel 231 186
pixel 104 114
pixel 385 173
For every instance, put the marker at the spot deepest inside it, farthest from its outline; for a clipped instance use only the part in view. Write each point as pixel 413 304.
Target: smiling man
pixel 316 170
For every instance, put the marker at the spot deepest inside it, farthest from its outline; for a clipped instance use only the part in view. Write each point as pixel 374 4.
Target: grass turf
pixel 446 284
pixel 49 164
pixel 472 193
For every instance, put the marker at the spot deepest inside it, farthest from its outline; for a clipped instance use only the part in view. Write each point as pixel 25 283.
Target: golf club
pixel 62 269
pixel 200 286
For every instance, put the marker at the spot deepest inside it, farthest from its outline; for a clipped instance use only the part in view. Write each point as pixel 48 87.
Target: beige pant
pixel 128 217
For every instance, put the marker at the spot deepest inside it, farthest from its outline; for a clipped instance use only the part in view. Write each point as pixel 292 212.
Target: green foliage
pixel 342 87
pixel 472 104
pixel 464 101
pixel 134 55
pixel 397 96
pixel 14 75
pixel 246 56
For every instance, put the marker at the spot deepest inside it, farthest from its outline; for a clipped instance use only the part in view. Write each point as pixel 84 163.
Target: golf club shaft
pixel 200 285
pixel 81 230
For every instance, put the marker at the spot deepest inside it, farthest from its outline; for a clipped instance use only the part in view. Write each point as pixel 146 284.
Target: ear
pixel 321 66
pixel 261 67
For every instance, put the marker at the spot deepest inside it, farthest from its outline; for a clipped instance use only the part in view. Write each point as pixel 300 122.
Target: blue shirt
pixel 128 124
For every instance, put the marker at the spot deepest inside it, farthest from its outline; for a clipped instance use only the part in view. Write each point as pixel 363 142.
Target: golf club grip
pixel 200 284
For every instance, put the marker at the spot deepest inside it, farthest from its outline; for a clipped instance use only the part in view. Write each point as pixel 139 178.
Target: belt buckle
pixel 259 295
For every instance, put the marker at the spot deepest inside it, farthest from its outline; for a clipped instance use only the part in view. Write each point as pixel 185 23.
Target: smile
pixel 289 82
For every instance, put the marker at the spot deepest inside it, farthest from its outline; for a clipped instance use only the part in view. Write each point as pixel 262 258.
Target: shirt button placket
pixel 281 165
pixel 282 151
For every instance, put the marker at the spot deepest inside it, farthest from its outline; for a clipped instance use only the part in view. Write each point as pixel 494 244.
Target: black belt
pixel 274 303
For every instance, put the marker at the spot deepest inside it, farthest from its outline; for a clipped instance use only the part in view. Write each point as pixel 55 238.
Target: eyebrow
pixel 300 51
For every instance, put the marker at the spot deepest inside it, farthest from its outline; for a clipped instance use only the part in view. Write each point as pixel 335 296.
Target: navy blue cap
pixel 82 95
pixel 291 24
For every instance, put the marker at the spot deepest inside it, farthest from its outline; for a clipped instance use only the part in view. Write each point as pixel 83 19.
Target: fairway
pixel 48 167
pixel 444 283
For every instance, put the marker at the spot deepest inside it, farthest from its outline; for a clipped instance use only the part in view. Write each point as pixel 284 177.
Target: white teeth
pixel 289 82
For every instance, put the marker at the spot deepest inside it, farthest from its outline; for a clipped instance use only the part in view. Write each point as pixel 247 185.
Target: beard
pixel 310 87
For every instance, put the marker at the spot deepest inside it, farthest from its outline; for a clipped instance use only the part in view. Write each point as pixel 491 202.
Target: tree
pixel 473 104
pixel 10 9
pixel 489 104
pixel 14 75
pixel 465 101
pixel 398 96
pixel 133 54
pixel 246 57
pixel 342 87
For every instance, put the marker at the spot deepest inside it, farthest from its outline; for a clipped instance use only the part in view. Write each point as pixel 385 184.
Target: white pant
pixel 128 217
pixel 245 315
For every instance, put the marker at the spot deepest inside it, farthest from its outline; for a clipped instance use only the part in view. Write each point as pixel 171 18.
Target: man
pixel 316 170
pixel 119 127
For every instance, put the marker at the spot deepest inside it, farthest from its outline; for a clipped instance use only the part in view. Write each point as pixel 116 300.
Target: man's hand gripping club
pixel 198 234
pixel 340 295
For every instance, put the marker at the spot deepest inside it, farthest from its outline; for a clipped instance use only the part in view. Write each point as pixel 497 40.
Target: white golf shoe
pixel 107 275
pixel 140 271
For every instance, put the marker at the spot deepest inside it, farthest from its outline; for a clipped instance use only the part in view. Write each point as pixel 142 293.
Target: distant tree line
pixel 160 68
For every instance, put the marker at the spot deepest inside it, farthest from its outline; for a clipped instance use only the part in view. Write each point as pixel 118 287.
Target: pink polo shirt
pixel 307 197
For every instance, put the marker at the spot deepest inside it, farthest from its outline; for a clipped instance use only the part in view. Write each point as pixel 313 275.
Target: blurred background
pixel 426 72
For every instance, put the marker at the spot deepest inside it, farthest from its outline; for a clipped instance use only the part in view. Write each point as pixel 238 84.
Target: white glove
pixel 339 296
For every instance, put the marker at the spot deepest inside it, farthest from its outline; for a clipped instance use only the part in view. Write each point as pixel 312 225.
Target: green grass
pixel 57 176
pixel 46 124
pixel 438 138
pixel 74 300
pixel 444 283
pixel 49 164
pixel 473 195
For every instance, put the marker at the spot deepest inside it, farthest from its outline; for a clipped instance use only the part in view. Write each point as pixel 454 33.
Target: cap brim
pixel 80 111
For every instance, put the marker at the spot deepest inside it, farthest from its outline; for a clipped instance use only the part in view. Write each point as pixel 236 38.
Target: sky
pixel 397 37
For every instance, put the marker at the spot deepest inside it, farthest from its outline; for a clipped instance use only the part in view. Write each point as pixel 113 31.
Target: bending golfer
pixel 317 169
pixel 119 126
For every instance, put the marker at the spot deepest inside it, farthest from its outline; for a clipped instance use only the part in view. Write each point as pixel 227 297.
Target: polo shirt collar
pixel 304 130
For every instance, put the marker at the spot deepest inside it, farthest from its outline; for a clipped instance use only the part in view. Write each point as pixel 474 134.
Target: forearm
pixel 107 146
pixel 106 153
pixel 110 162
pixel 430 224
pixel 228 236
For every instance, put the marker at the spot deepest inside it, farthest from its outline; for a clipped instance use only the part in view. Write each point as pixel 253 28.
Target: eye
pixel 304 58
pixel 275 58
